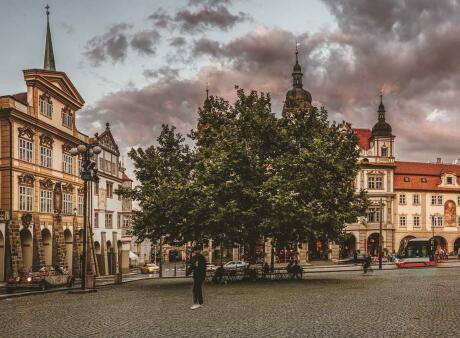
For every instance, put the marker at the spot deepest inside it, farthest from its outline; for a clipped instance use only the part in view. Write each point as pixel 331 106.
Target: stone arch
pixel 68 239
pixel 404 240
pixel 348 246
pixel 27 248
pixel 373 244
pixel 457 246
pixel 47 247
pixel 440 243
pixel 2 257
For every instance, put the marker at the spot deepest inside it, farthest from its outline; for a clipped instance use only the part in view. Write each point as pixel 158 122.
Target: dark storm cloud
pixel 144 42
pixel 406 47
pixel 178 41
pixel 208 18
pixel 112 45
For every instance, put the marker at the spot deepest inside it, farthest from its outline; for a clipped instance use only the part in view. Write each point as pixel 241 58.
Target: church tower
pixel 297 97
pixel 382 137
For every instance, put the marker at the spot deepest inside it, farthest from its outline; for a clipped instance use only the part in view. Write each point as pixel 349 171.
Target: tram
pixel 416 252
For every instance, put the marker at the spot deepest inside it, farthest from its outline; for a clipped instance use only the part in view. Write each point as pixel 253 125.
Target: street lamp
pixel 88 172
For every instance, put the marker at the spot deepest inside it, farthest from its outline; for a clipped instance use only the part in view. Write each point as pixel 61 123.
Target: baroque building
pixel 41 191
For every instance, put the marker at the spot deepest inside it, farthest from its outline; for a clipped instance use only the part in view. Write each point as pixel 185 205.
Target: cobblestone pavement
pixel 395 303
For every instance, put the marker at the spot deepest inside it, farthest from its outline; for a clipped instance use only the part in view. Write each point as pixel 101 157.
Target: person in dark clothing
pixel 198 268
pixel 219 274
pixel 367 263
pixel 296 270
pixel 355 257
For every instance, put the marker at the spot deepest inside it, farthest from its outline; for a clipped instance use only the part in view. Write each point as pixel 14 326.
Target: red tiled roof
pixel 126 178
pixel 363 136
pixel 21 97
pixel 416 171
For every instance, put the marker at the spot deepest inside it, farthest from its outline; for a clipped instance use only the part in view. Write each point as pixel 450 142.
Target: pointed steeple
pixel 48 63
pixel 381 128
pixel 297 73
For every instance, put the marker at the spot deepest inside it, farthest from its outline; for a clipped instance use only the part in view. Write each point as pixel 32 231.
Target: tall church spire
pixel 382 127
pixel 297 73
pixel 297 95
pixel 48 63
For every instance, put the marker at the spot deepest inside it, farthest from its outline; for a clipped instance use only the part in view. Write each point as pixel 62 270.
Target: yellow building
pixel 41 192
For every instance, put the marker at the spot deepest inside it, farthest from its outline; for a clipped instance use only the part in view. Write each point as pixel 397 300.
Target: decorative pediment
pixel 81 191
pixel 46 184
pixel 67 188
pixel 67 110
pixel 375 172
pixel 66 147
pixel 107 141
pixel 46 140
pixel 55 82
pixel 26 179
pixel 26 132
pixel 46 97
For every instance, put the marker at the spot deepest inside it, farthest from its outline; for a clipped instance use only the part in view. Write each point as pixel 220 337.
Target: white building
pixel 111 212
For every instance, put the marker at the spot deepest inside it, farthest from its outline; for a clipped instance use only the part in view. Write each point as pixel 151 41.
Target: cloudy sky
pixel 142 63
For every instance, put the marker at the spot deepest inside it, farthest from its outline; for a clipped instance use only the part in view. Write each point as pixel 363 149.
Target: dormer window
pixel 406 179
pixel 384 151
pixel 67 117
pixel 46 106
pixel 423 180
pixel 449 180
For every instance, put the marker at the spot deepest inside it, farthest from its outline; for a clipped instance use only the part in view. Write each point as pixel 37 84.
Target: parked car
pixel 150 268
pixel 233 265
pixel 210 267
pixel 46 277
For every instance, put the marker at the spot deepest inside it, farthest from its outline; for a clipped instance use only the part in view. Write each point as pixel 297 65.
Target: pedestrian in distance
pixel 296 270
pixel 367 263
pixel 219 274
pixel 197 267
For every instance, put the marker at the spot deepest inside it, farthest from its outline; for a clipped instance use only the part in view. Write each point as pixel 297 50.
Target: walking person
pixel 198 268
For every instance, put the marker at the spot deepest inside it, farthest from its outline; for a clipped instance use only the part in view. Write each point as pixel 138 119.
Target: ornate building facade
pixel 41 192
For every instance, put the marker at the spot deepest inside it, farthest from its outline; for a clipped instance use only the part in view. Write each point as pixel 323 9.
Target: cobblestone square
pixel 397 303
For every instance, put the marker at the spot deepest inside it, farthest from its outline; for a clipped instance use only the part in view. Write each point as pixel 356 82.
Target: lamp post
pixel 88 172
pixel 380 234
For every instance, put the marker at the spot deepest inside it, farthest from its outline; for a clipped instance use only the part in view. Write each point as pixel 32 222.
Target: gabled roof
pixel 107 141
pixel 423 168
pixel 126 178
pixel 58 82
pixel 363 135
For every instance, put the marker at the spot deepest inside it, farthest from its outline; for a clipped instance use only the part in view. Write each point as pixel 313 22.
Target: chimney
pixel 438 160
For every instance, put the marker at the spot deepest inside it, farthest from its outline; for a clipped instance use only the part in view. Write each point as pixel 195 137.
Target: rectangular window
pixel 46 201
pixel 67 163
pixel 402 199
pixel 80 205
pixel 109 187
pixel 436 221
pixel 67 204
pixel 80 163
pixel 126 222
pixel 96 220
pixel 96 188
pixel 416 199
pixel 436 199
pixel 118 221
pixel 67 118
pixel 108 221
pixel 25 150
pixel 46 108
pixel 119 195
pixel 373 215
pixel 416 221
pixel 402 221
pixel 449 180
pixel 25 198
pixel 375 182
pixel 46 155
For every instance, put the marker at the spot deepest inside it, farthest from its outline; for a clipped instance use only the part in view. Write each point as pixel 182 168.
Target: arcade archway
pixel 403 242
pixel 47 247
pixel 457 246
pixel 27 248
pixel 373 244
pixel 348 246
pixel 440 243
pixel 68 248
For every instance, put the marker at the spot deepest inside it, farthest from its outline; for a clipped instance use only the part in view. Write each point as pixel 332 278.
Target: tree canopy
pixel 250 175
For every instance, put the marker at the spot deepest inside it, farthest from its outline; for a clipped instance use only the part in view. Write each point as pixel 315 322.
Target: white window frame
pixel 67 164
pixel 80 205
pixel 108 220
pixel 436 199
pixel 26 198
pixel 46 201
pixel 416 199
pixel 67 119
pixel 437 221
pixel 403 221
pixel 451 180
pixel 46 157
pixel 107 185
pixel 416 221
pixel 375 182
pixel 26 150
pixel 402 199
pixel 373 215
pixel 96 219
pixel 46 108
pixel 67 204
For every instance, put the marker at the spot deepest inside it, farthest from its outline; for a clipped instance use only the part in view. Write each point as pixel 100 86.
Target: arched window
pixel 384 151
pixel 46 105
